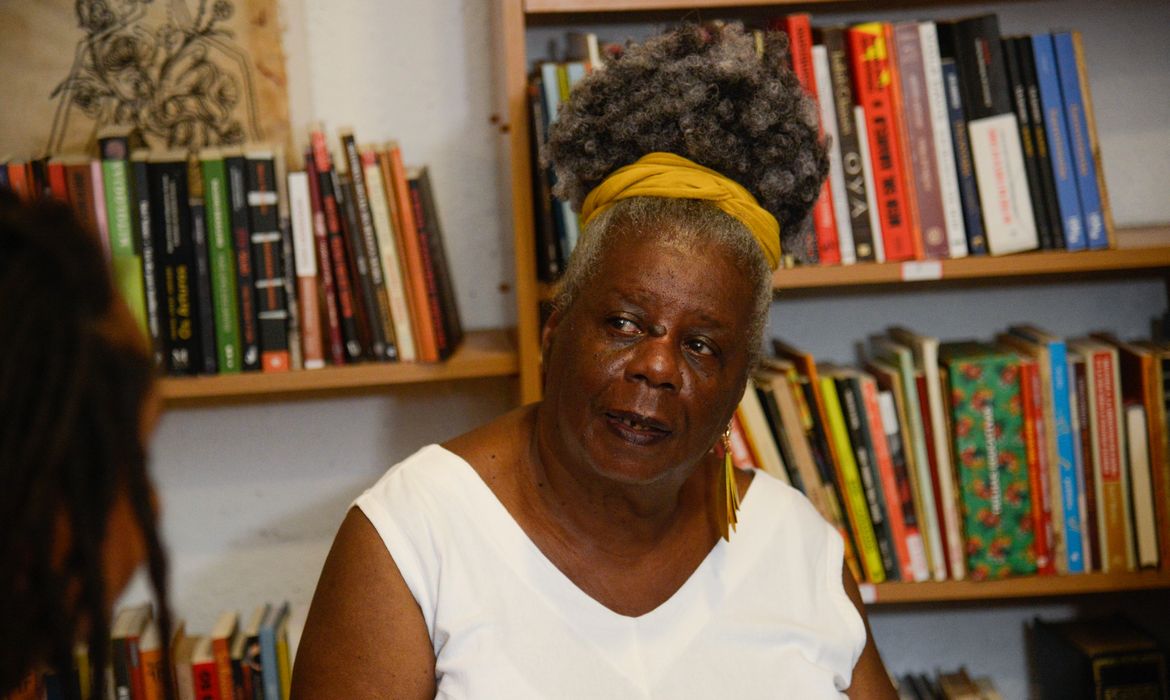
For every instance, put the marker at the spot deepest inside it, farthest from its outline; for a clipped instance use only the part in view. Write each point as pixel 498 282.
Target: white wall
pixel 254 493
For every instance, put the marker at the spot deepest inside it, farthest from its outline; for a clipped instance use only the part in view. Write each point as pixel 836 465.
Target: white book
pixel 391 267
pixel 875 224
pixel 1003 184
pixel 305 260
pixel 840 196
pixel 948 176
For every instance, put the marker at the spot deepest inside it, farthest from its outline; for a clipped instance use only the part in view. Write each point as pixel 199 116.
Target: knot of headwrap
pixel 669 175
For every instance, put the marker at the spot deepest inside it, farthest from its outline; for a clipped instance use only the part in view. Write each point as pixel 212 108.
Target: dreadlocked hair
pixel 709 94
pixel 70 445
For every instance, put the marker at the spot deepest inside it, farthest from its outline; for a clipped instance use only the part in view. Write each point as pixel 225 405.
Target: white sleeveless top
pixel 764 615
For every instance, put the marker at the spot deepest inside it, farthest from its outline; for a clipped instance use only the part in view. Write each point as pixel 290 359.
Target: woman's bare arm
pixel 870 679
pixel 365 636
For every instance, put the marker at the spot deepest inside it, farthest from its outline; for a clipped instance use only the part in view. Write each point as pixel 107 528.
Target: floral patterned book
pixel 990 460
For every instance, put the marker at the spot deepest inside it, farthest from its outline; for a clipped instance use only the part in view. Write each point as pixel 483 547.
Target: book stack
pixel 1028 454
pixel 238 658
pixel 231 265
pixel 946 139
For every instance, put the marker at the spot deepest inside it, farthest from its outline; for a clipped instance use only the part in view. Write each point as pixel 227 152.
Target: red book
pixel 328 292
pixel 204 675
pixel 885 468
pixel 799 31
pixel 58 184
pixel 18 179
pixel 420 312
pixel 873 82
pixel 1032 399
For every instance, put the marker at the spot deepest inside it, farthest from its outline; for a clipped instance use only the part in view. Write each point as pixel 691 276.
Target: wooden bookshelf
pixel 488 353
pixel 1137 249
pixel 1013 588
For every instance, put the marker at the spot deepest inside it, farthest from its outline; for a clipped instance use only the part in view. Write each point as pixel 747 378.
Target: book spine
pixel 799 30
pixel 1084 164
pixel 1032 399
pixel 202 282
pixel 337 254
pixel 327 290
pixel 101 216
pixel 871 63
pixel 856 507
pixel 305 262
pixel 223 268
pixel 901 535
pixel 1059 149
pixel 448 303
pixel 173 235
pixel 948 178
pixel 857 422
pixel 836 182
pixel 1113 511
pixel 422 227
pixel 875 224
pixel 1019 102
pixel 1040 138
pixel 237 180
pixel 1140 479
pixel 922 171
pixel 203 675
pixel 155 318
pixel 359 274
pixel 1086 465
pixel 288 265
pixel 391 265
pixel 1094 142
pixel 548 255
pixel 420 314
pixel 269 674
pixel 222 656
pixel 124 251
pixel 1066 453
pixel 265 236
pixel 1160 431
pixel 381 321
pixel 852 165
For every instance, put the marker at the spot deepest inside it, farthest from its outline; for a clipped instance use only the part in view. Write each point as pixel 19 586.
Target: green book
pixel 990 460
pixel 222 257
pixel 125 251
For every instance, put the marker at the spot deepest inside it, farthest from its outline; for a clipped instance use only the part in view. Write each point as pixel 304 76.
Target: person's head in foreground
pixel 692 159
pixel 77 513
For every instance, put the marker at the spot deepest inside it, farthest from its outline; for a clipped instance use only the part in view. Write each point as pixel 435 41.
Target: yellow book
pixel 850 478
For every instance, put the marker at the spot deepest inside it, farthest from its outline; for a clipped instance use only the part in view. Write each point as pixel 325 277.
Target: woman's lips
pixel 636 428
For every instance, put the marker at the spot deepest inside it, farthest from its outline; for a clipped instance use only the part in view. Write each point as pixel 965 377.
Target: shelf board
pixel 1023 587
pixel 1137 249
pixel 488 353
pixel 542 7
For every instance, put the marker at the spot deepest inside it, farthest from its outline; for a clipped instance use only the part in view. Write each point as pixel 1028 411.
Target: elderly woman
pixel 599 544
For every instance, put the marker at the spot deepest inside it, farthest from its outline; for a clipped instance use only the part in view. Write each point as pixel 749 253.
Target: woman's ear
pixel 546 334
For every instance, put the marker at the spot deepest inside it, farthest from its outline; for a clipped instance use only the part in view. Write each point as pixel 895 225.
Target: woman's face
pixel 647 365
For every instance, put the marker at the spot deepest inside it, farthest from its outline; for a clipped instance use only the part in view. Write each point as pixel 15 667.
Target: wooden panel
pixel 1024 587
pixel 482 354
pixel 1138 248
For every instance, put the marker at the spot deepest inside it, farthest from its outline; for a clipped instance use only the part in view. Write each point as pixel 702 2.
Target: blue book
pixel 271 627
pixel 1059 150
pixel 1084 165
pixel 968 188
pixel 1066 444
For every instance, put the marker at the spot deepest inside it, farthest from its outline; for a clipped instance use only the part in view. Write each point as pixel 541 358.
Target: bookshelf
pixel 1013 588
pixel 486 353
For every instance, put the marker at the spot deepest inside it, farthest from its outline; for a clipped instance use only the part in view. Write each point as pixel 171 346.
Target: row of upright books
pixel 232 265
pixel 946 140
pixel 239 659
pixel 1032 454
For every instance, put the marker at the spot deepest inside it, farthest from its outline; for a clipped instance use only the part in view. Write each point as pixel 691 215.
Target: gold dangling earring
pixel 727 492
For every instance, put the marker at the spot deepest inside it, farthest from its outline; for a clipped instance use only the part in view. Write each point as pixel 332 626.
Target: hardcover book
pixel 237 179
pixel 265 236
pixel 176 269
pixel 221 252
pixel 1096 658
pixel 1059 149
pixel 203 293
pixel 1084 161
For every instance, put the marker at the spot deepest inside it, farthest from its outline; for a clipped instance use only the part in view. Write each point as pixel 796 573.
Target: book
pixel 1057 138
pixel 845 125
pixel 875 223
pixel 1111 480
pixel 97 182
pixel 176 273
pixel 1141 482
pixel 549 259
pixel 1086 459
pixel 408 245
pixel 1013 67
pixel 203 293
pixel 1160 435
pixel 390 259
pixel 891 463
pixel 273 627
pixel 918 136
pixel 1094 142
pixel 779 391
pixel 327 289
pixel 991 464
pixel 144 218
pixel 305 260
pixel 440 287
pixel 948 177
pixel 1083 159
pixel 235 167
pixel 204 675
pixel 1067 518
pixel 154 673
pixel 125 634
pixel 1035 448
pixel 357 265
pixel 288 262
pixel 974 44
pixel 836 182
pixel 267 257
pixel 870 59
pixel 925 352
pixel 125 249
pixel 223 635
pixel 759 435
pixel 221 253
pixel 1096 658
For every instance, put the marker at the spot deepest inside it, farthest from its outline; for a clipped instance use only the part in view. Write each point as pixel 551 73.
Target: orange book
pixel 420 312
pixel 151 661
pixel 899 533
pixel 898 113
pixel 18 179
pixel 222 636
pixel 57 182
pixel 873 84
pixel 1037 456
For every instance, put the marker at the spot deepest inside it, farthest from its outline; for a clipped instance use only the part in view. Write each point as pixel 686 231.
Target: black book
pixel 204 308
pixel 772 415
pixel 1040 137
pixel 851 162
pixel 358 214
pixel 434 253
pixel 338 257
pixel 267 259
pixel 1096 658
pixel 237 181
pixel 1015 78
pixel 359 271
pixel 175 247
pixel 155 311
pixel 849 389
pixel 549 258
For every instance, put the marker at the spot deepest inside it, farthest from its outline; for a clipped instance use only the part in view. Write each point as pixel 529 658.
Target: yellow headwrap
pixel 670 175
